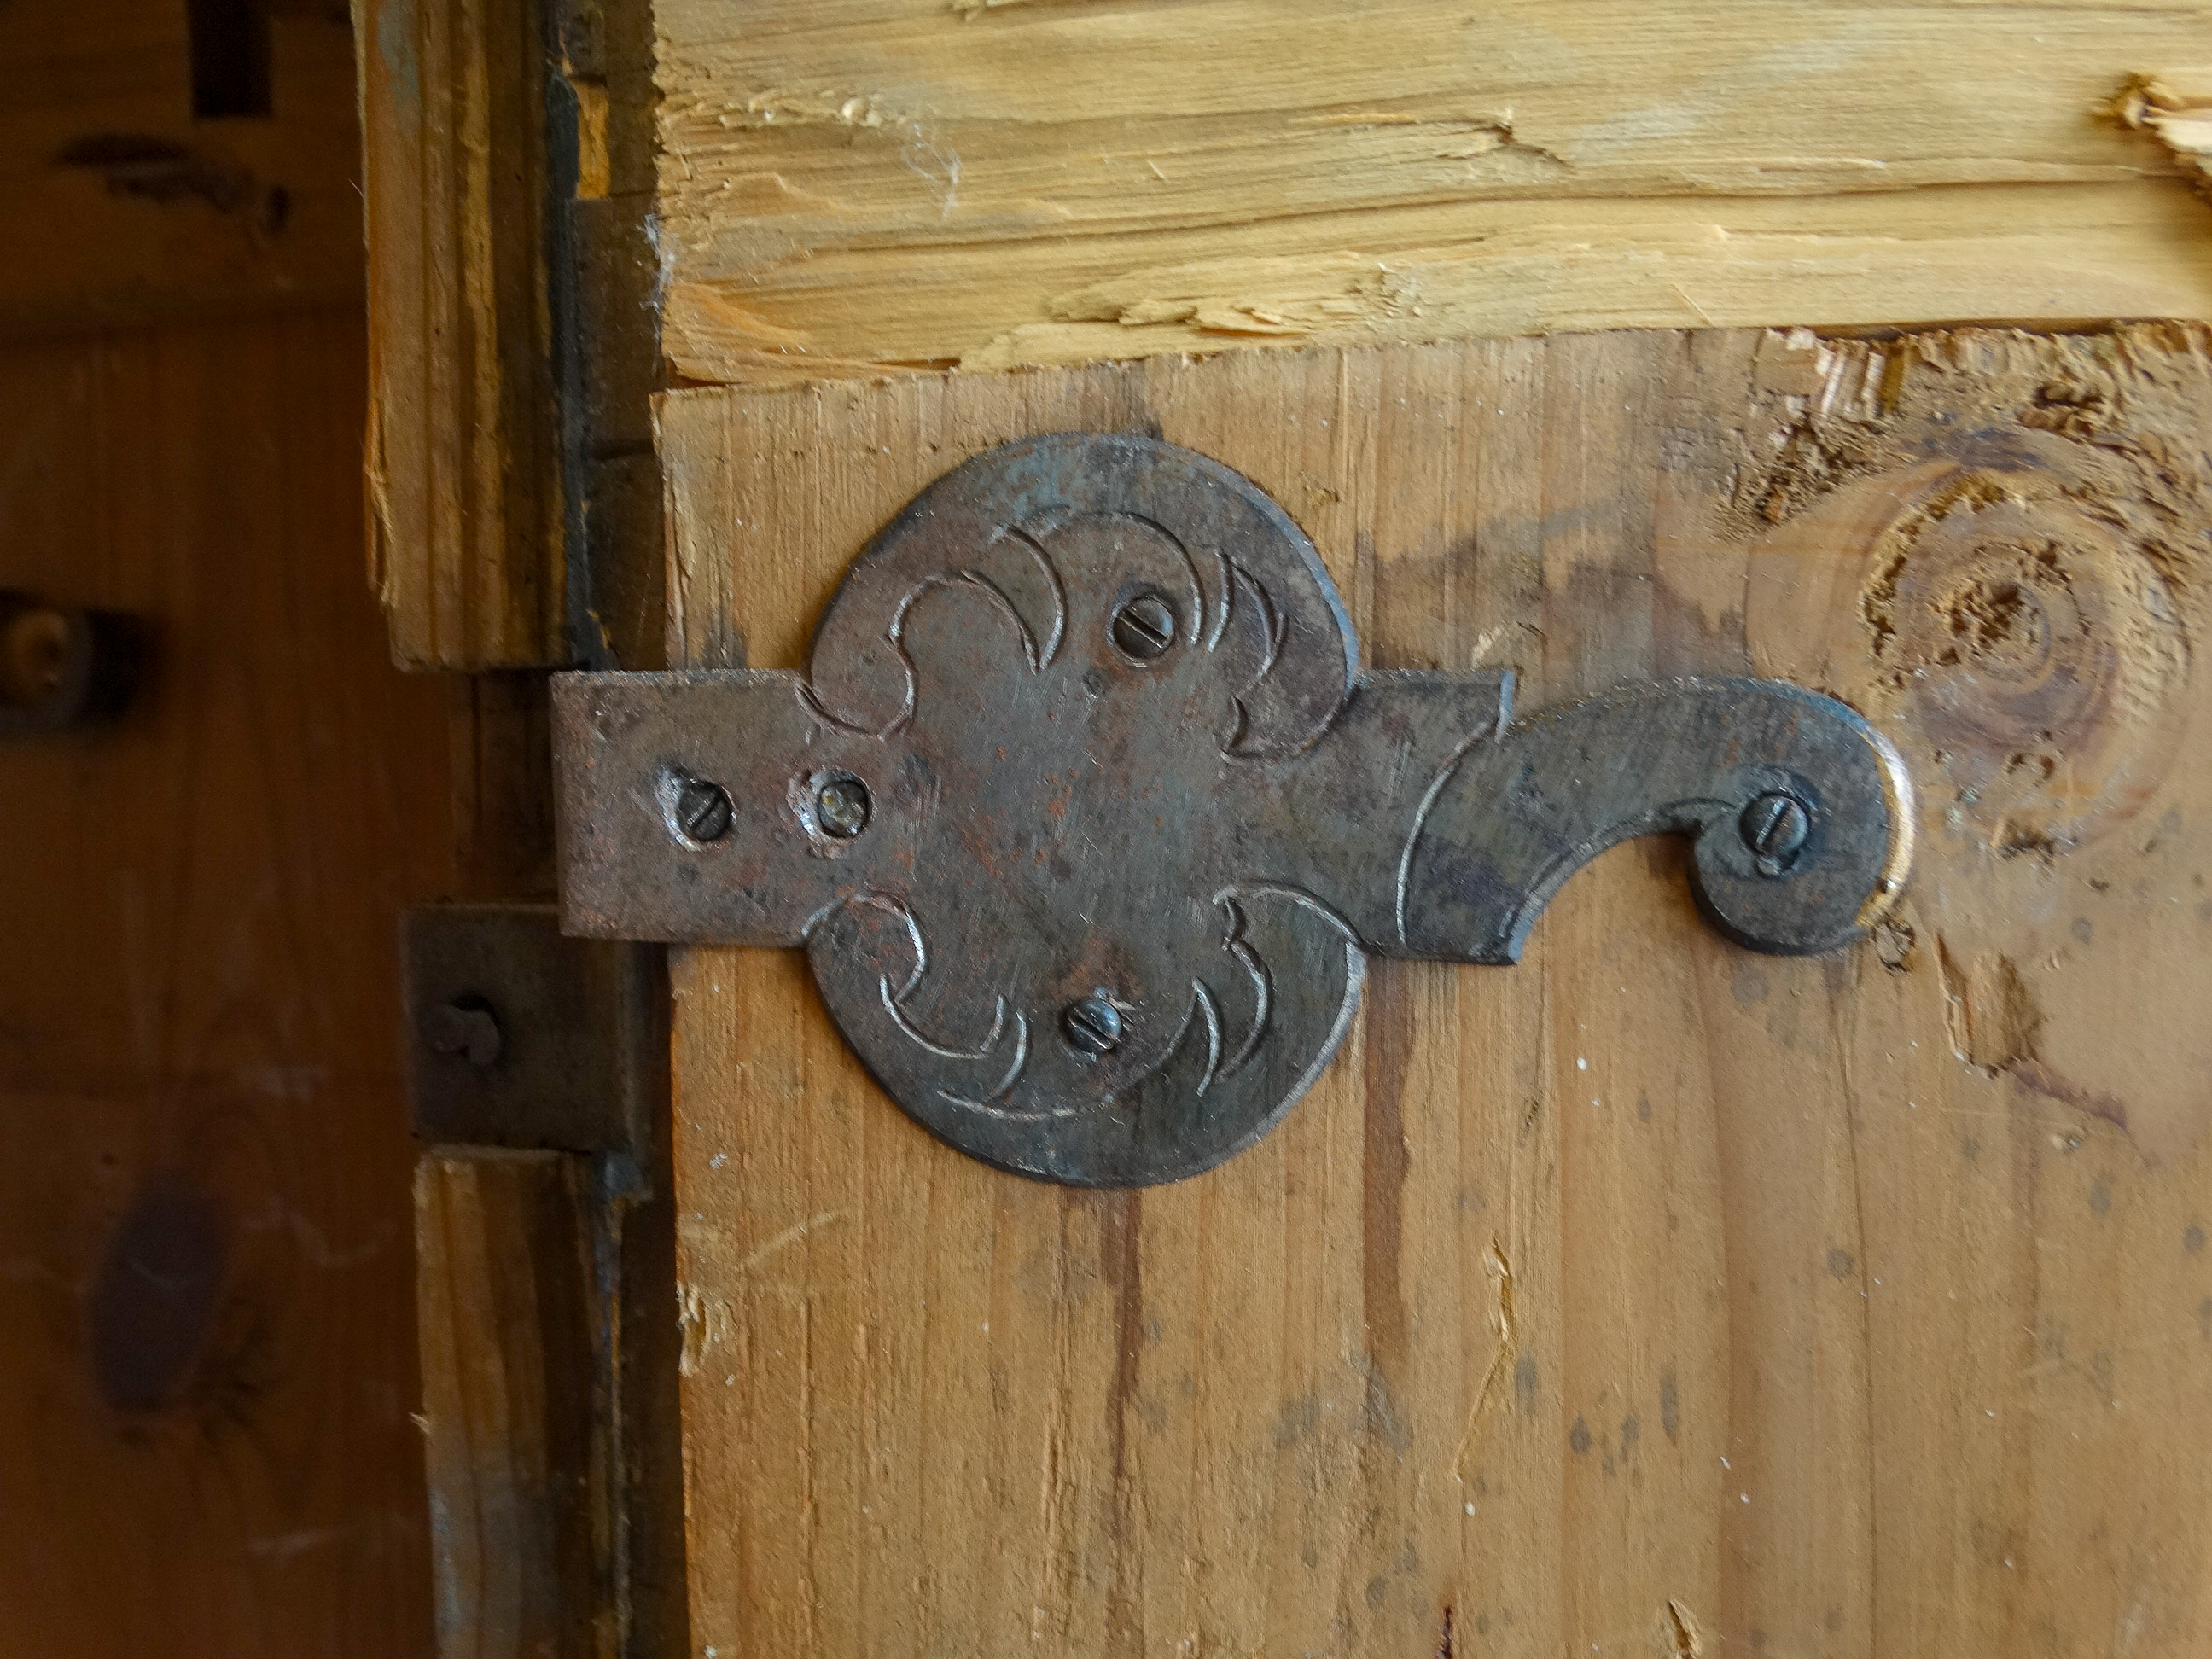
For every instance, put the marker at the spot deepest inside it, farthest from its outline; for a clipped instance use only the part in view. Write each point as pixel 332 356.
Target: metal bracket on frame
pixel 518 1035
pixel 1088 818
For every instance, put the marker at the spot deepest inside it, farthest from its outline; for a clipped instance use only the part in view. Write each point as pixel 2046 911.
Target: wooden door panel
pixel 1652 1296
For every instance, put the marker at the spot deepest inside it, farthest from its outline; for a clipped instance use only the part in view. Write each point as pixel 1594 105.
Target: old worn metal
pixel 1088 819
pixel 62 667
pixel 516 1035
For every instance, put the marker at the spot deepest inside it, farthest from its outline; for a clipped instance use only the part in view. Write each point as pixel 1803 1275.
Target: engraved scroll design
pixel 943 975
pixel 1121 820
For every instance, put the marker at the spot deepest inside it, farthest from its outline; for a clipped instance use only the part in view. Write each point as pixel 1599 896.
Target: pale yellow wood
pixel 1651 1296
pixel 902 183
pixel 2175 105
pixel 466 541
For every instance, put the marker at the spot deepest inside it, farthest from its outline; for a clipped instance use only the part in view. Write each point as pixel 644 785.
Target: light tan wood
pixel 1651 1296
pixel 118 206
pixel 207 1315
pixel 503 1268
pixel 2177 106
pixel 466 527
pixel 906 183
pixel 902 185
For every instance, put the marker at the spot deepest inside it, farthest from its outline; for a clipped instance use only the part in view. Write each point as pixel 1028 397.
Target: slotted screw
pixel 1092 1024
pixel 703 812
pixel 841 806
pixel 1144 627
pixel 1774 827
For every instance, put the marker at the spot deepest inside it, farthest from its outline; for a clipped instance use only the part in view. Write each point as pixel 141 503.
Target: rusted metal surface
pixel 520 1035
pixel 1088 819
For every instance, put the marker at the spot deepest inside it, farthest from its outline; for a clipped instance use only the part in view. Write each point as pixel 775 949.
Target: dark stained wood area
pixel 162 159
pixel 208 1366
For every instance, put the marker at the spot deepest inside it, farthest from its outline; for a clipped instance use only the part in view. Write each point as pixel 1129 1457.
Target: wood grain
pixel 118 205
pixel 885 183
pixel 1648 1297
pixel 467 537
pixel 516 1465
pixel 209 1369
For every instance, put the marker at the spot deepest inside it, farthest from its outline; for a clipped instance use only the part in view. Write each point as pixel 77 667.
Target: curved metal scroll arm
pixel 1800 812
pixel 1087 821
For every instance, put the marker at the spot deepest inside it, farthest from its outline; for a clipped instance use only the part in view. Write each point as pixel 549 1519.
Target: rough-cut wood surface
pixel 1651 1296
pixel 207 1326
pixel 2177 106
pixel 515 1463
pixel 465 528
pixel 876 183
pixel 117 205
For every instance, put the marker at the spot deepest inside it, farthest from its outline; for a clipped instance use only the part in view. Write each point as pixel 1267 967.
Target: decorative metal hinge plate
pixel 1088 819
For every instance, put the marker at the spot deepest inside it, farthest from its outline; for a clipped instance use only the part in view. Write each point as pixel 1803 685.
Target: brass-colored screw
pixel 841 806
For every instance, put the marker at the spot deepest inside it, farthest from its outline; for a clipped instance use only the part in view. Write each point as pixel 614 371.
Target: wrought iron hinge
pixel 1088 818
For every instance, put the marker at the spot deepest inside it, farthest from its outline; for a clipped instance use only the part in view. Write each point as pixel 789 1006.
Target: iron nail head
pixel 463 1028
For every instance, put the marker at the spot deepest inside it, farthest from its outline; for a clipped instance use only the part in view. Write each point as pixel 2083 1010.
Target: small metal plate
pixel 1088 820
pixel 518 1035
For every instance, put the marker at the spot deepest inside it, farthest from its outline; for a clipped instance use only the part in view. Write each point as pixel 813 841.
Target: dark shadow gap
pixel 230 58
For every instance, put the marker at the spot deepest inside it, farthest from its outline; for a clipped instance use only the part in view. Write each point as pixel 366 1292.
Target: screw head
pixel 701 809
pixel 1091 1025
pixel 465 1028
pixel 1774 826
pixel 1143 628
pixel 841 805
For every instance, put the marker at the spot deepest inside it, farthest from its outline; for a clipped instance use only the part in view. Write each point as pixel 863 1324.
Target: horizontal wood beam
pixel 902 184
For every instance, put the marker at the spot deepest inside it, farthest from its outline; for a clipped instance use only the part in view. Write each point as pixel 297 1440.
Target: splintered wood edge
pixel 812 227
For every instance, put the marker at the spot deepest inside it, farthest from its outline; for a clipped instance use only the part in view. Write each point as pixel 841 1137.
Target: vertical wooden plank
pixel 502 1269
pixel 206 1387
pixel 1649 1296
pixel 122 204
pixel 463 467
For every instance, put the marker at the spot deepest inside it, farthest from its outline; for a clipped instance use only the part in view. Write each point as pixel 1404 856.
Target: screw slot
pixel 1775 826
pixel 699 810
pixel 841 805
pixel 1091 1025
pixel 1143 628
